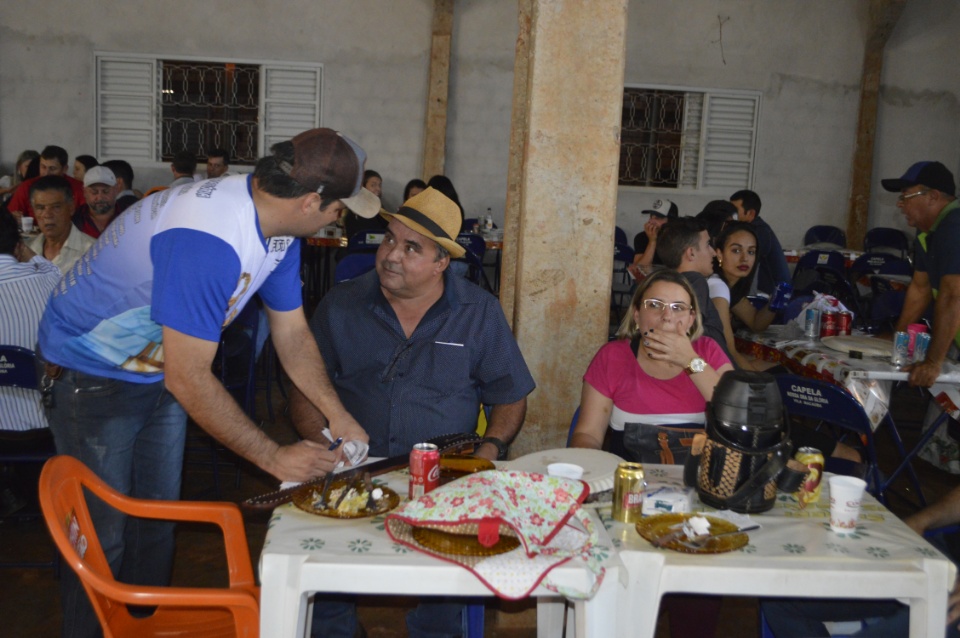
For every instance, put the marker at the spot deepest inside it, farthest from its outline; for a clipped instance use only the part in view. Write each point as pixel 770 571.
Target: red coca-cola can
pixel 424 469
pixel 829 323
pixel 844 323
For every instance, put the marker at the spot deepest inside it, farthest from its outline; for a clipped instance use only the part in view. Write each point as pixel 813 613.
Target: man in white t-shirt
pixel 130 335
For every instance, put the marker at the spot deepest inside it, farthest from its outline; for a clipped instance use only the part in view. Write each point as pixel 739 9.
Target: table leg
pixel 928 614
pixel 550 612
pixel 283 608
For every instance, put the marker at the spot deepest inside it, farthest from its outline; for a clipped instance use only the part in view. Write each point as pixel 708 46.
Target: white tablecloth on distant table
pixel 304 554
pixel 794 554
pixel 868 379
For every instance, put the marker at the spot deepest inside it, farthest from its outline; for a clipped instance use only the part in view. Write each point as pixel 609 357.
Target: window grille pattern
pixel 650 137
pixel 150 108
pixel 688 139
pixel 207 105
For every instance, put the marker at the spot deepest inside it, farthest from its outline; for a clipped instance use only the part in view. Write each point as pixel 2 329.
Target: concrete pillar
pixel 435 135
pixel 562 216
pixel 884 15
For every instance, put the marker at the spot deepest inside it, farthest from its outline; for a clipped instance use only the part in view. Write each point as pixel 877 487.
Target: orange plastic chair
pixel 181 611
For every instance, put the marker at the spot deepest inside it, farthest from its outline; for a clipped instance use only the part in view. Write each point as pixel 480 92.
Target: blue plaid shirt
pixel 404 391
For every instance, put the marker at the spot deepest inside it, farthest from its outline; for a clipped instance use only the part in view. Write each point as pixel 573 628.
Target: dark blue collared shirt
pixel 404 391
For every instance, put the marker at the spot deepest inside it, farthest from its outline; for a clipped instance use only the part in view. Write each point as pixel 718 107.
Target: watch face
pixel 698 365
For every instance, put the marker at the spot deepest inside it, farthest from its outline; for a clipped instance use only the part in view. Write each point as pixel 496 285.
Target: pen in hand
pixel 335 444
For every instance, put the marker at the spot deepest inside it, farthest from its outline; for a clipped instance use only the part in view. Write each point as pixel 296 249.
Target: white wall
pixel 376 62
pixel 804 56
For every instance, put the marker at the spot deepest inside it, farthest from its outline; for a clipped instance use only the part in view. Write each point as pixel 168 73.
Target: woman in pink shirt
pixel 651 385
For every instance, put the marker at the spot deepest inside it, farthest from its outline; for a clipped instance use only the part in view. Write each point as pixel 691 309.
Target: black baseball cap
pixel 930 174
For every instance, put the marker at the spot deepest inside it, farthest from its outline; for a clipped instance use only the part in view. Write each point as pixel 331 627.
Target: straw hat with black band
pixel 433 215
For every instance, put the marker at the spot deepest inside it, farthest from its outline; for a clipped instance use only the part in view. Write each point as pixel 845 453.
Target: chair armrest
pixel 226 516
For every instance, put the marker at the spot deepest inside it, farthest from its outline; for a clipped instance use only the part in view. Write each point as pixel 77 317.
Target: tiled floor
pixel 29 597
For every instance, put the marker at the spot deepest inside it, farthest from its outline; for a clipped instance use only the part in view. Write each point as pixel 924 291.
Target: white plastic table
pixel 795 554
pixel 304 554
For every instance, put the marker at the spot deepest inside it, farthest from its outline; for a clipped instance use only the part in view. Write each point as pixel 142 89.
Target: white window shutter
pixel 730 125
pixel 290 102
pixel 691 140
pixel 127 109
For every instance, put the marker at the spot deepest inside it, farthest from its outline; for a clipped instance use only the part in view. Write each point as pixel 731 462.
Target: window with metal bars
pixel 151 107
pixel 687 139
pixel 210 105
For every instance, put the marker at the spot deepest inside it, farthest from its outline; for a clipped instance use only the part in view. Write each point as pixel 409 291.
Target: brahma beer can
pixel 810 490
pixel 628 487
pixel 424 469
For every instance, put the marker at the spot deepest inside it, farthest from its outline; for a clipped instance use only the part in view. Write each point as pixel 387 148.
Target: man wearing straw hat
pixel 425 349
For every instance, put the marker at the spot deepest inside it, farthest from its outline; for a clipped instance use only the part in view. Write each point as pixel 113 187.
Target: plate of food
pixel 346 499
pixel 694 533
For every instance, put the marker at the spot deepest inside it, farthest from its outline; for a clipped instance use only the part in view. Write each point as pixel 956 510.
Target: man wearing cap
pixel 928 202
pixel 645 243
pixel 100 191
pixel 425 349
pixel 771 262
pixel 129 337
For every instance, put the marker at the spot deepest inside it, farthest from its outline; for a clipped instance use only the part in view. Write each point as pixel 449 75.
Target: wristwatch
pixel 502 447
pixel 696 365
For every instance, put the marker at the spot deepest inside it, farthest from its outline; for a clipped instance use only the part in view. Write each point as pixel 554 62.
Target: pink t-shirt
pixel 638 397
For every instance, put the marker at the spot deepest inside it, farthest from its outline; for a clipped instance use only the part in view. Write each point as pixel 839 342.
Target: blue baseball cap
pixel 930 174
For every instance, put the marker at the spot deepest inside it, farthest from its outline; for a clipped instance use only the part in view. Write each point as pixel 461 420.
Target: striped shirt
pixel 24 291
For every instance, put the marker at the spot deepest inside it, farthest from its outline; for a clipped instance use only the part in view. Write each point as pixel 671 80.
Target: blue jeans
pixel 336 617
pixel 132 436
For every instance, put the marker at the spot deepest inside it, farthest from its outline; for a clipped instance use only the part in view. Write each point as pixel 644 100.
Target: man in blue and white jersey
pixel 131 332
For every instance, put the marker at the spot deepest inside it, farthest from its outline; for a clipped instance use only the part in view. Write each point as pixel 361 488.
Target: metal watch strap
pixel 502 448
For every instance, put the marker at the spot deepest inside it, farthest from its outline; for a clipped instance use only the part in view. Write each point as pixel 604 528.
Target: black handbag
pixel 747 453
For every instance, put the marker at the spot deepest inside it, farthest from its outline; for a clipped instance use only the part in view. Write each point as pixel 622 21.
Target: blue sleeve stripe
pixel 194 276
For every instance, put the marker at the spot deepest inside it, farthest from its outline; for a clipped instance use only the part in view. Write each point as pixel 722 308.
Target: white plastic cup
pixel 26 223
pixel 565 470
pixel 846 494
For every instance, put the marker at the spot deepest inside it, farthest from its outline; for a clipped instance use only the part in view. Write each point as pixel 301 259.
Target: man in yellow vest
pixel 928 202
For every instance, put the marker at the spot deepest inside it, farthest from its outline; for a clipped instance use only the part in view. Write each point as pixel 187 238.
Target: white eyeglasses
pixel 903 198
pixel 660 305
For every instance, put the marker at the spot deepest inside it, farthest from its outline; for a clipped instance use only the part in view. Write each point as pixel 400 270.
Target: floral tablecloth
pixel 304 553
pixel 793 554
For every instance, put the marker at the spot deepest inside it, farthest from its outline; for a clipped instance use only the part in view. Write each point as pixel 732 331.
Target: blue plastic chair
pixel 475 247
pixel 825 235
pixel 620 236
pixel 19 371
pixel 353 265
pixel 622 280
pixel 573 425
pixel 831 405
pixel 887 239
pixel 872 263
